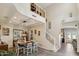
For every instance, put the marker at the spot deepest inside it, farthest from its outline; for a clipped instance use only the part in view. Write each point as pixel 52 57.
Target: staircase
pixel 50 37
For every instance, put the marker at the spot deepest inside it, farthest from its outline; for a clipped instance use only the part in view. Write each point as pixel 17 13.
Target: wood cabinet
pixel 4 47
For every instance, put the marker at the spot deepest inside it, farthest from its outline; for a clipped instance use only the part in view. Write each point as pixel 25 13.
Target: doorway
pixel 62 36
pixel 70 34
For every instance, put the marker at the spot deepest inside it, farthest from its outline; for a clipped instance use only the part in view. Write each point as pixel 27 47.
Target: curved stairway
pixel 48 41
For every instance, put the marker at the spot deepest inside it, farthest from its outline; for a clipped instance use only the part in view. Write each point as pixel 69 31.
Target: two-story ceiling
pixel 9 15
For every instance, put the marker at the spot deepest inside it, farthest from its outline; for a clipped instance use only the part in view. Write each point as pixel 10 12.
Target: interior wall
pixel 9 39
pixel 41 40
pixel 36 37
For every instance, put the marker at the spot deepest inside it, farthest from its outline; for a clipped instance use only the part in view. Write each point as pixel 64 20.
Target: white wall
pixel 55 14
pixel 70 25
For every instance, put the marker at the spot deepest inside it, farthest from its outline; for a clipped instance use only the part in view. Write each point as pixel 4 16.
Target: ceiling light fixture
pixel 14 17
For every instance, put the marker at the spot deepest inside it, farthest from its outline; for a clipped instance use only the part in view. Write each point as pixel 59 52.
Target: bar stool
pixel 19 50
pixel 28 49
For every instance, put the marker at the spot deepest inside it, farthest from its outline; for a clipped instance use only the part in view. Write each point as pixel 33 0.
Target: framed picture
pixel 0 27
pixel 17 34
pixel 35 31
pixel 5 31
pixel 38 33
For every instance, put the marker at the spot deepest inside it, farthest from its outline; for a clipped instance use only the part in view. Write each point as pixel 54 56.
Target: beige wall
pixel 9 39
pixel 41 40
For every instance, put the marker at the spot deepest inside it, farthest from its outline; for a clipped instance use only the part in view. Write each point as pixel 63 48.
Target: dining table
pixel 23 42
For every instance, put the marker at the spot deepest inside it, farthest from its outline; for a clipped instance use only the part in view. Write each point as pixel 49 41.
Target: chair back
pixel 29 44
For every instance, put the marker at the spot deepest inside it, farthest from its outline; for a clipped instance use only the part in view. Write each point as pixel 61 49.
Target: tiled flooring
pixel 66 50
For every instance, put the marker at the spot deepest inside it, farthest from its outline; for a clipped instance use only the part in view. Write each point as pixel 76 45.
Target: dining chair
pixel 19 50
pixel 28 49
pixel 35 48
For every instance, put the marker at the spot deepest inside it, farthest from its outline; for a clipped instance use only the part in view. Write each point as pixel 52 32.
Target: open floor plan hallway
pixel 66 50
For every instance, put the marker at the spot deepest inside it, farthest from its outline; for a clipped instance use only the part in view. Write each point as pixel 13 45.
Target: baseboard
pixel 45 48
pixel 56 49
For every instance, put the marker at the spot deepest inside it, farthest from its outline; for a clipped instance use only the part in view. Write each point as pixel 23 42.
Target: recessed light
pixel 24 21
pixel 14 17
